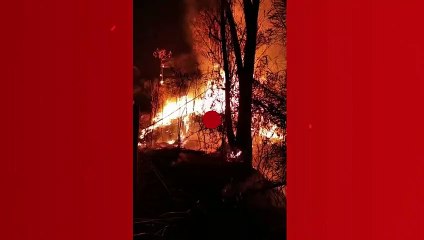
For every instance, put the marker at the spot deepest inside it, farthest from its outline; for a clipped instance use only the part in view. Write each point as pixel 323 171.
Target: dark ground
pixel 184 200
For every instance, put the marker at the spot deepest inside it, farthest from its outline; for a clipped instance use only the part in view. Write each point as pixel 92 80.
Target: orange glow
pixel 183 107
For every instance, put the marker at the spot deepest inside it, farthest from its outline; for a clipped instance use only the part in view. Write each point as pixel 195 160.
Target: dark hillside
pixel 191 189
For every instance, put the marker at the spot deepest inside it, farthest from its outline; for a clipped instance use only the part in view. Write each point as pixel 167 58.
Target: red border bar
pixel 66 99
pixel 355 120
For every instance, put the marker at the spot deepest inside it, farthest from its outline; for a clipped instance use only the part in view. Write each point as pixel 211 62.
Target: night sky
pixel 158 24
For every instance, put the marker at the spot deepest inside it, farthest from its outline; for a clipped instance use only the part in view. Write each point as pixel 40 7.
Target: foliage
pixel 269 83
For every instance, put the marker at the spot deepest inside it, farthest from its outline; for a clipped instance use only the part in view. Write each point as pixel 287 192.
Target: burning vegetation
pixel 227 46
pixel 237 69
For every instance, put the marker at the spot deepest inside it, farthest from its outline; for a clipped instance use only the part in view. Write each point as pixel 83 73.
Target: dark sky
pixel 158 24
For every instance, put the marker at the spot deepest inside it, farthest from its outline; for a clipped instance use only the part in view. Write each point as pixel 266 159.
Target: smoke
pixel 185 63
pixel 191 12
pixel 193 9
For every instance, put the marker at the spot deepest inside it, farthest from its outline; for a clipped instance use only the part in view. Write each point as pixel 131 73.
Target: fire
pixel 272 134
pixel 182 108
pixel 185 106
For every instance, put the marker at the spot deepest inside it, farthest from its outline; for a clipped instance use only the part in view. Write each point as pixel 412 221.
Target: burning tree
pixel 179 99
pixel 241 37
pixel 240 76
pixel 238 39
pixel 243 77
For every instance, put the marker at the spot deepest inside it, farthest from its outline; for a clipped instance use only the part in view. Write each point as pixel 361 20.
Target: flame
pixel 213 99
pixel 272 133
pixel 183 107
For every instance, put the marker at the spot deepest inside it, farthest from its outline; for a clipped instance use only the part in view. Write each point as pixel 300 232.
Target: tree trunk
pixel 245 72
pixel 228 121
pixel 244 124
pixel 244 127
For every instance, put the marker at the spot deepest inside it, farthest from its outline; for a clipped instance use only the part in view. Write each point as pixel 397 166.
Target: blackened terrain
pixel 180 195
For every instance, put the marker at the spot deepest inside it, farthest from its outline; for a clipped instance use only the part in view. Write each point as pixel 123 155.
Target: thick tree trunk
pixel 245 70
pixel 244 125
pixel 228 121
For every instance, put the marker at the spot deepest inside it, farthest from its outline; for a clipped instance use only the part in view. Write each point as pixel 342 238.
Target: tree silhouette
pixel 245 64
